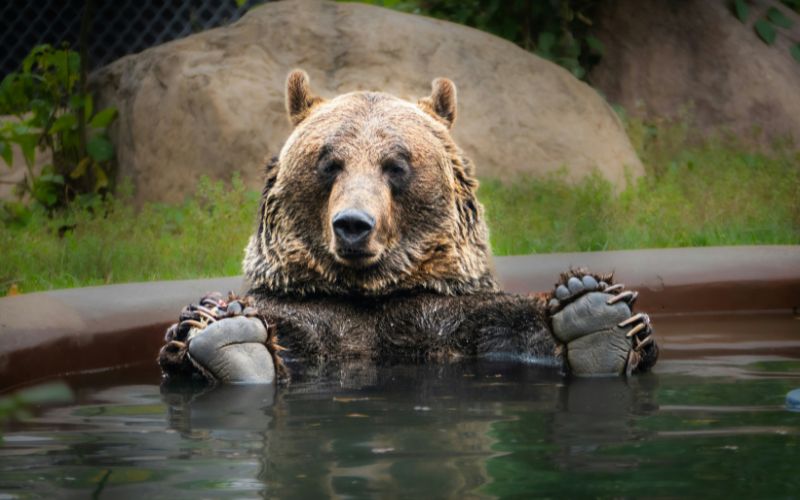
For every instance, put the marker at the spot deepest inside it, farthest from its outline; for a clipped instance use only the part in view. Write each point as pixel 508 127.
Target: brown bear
pixel 371 244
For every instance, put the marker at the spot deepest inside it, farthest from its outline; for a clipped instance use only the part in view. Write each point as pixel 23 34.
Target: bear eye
pixel 396 170
pixel 329 167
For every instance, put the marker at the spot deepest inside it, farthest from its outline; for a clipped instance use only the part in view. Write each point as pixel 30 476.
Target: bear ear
pixel 442 101
pixel 299 98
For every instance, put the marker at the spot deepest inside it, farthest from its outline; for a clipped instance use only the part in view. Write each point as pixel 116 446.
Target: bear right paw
pixel 220 341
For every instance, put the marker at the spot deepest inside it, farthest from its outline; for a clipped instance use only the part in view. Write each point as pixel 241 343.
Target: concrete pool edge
pixel 51 333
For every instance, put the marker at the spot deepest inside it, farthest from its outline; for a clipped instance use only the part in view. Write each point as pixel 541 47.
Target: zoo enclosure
pixel 116 28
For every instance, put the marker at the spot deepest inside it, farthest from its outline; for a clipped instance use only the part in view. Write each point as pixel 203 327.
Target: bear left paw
pixel 593 317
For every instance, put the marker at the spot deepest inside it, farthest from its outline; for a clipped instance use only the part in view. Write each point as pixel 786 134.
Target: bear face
pixel 369 196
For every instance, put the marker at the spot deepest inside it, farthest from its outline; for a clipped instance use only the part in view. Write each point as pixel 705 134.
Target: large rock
pixel 663 57
pixel 212 103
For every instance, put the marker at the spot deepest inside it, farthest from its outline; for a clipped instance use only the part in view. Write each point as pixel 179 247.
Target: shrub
pixel 52 111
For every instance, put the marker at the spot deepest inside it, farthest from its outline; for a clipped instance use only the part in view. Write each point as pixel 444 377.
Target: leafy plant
pixel 557 30
pixel 767 26
pixel 53 112
pixel 765 31
pixel 741 9
pixel 778 18
pixel 795 51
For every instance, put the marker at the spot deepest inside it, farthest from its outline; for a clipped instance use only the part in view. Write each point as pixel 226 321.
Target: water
pixel 708 427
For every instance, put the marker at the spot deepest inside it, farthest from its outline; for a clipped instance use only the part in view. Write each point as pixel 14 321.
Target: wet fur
pixel 414 327
pixel 444 245
pixel 432 294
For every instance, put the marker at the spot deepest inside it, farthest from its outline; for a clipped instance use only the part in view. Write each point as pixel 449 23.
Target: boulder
pixel 212 103
pixel 695 58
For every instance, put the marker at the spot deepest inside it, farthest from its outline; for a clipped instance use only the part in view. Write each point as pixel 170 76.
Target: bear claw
pixel 633 319
pixel 194 323
pixel 629 297
pixel 642 324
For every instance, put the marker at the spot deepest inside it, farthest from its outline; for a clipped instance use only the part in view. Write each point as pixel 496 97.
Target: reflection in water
pixel 488 429
pixel 225 409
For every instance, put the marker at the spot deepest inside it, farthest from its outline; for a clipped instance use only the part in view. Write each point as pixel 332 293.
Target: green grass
pixel 203 237
pixel 710 193
pixel 713 193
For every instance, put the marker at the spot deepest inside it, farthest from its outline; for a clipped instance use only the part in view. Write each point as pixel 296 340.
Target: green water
pixel 488 429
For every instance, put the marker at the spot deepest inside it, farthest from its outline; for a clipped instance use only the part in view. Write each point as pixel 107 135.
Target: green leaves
pixel 54 114
pixel 15 214
pixel 100 148
pixel 765 31
pixel 101 179
pixel 81 169
pixel 740 7
pixel 545 45
pixel 104 118
pixel 46 189
pixel 795 51
pixel 766 26
pixel 774 16
pixel 595 45
pixel 5 153
pixel 64 122
pixel 27 143
pixel 78 101
pixel 778 18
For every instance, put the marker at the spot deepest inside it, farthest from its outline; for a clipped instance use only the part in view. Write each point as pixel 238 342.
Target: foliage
pixel 561 30
pixel 769 25
pixel 792 4
pixel 716 192
pixel 557 30
pixel 53 112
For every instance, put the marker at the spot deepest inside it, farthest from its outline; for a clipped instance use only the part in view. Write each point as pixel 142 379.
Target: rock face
pixel 662 56
pixel 212 103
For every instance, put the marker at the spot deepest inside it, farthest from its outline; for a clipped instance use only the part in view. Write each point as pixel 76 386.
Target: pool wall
pixel 46 334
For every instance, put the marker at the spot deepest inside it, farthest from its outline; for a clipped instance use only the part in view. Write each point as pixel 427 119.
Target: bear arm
pixel 506 324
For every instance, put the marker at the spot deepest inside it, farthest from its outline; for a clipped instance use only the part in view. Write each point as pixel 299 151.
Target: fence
pixel 117 28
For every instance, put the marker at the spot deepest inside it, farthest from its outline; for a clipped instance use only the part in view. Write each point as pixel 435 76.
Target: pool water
pixel 700 426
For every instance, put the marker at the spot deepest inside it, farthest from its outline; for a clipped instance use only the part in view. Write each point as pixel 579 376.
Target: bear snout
pixel 353 227
pixel 353 230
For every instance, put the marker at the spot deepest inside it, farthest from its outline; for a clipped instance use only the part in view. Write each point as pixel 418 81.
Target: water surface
pixel 702 426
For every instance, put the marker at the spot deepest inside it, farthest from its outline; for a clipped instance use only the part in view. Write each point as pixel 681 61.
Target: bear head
pixel 369 196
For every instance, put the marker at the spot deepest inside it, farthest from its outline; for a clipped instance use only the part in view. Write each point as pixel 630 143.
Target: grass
pixel 714 192
pixel 203 237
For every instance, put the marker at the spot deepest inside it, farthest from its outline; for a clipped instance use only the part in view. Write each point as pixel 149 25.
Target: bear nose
pixel 352 227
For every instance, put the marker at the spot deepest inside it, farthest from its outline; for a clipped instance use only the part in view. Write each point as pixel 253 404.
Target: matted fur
pixel 434 233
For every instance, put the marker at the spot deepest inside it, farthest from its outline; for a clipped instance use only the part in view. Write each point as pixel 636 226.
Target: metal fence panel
pixel 117 28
